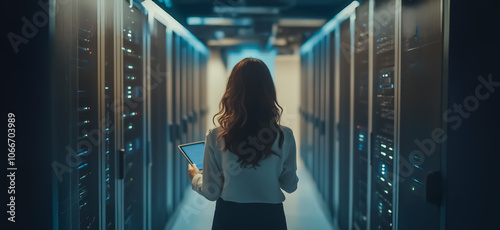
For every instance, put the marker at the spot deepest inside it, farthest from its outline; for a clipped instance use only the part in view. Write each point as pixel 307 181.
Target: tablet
pixel 194 153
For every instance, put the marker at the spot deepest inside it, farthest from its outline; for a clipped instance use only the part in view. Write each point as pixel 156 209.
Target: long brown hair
pixel 249 113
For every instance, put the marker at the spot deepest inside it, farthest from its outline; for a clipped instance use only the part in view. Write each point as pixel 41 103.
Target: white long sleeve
pixel 209 184
pixel 288 178
pixel 247 185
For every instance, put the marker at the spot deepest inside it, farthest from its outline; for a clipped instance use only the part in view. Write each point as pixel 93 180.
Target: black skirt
pixel 241 216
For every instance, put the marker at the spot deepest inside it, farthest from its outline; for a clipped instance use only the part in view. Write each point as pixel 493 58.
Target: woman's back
pixel 251 185
pixel 250 157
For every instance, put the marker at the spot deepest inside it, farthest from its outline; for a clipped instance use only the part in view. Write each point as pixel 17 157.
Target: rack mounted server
pixel 376 98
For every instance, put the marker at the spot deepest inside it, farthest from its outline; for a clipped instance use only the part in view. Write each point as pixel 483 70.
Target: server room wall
pixel 134 89
pixel 371 114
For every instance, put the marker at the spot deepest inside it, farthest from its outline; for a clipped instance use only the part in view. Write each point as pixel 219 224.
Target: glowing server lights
pixel 117 109
pixel 383 90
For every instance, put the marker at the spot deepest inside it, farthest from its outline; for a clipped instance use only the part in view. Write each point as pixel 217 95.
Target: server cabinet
pixel 196 97
pixel 315 112
pixel 306 154
pixel 158 122
pixel 78 154
pixel 177 117
pixel 331 124
pixel 360 145
pixel 321 119
pixel 189 99
pixel 470 70
pixel 184 109
pixel 383 157
pixel 134 117
pixel 111 118
pixel 344 125
pixel 302 106
pixel 310 112
pixel 421 68
pixel 325 125
pixel 171 129
pixel 203 92
pixel 323 180
pixel 88 114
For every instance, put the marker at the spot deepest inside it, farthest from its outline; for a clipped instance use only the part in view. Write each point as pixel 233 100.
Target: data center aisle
pixel 304 208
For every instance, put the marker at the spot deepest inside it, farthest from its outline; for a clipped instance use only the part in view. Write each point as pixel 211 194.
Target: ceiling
pixel 271 24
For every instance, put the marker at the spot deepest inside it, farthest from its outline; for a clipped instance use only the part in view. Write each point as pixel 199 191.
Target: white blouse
pixel 247 185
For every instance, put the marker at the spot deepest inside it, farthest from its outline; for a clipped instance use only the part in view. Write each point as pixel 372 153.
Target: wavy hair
pixel 249 113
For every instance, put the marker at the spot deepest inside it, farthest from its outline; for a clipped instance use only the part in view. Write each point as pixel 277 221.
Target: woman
pixel 250 157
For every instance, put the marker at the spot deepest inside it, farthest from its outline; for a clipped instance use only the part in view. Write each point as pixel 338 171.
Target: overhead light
pixel 218 21
pixel 246 10
pixel 280 42
pixel 301 22
pixel 225 42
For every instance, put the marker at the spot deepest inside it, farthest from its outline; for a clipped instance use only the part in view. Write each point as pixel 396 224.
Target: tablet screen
pixel 195 153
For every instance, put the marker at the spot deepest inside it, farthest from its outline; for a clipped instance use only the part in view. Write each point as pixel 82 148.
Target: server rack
pixel 384 156
pixel 134 117
pixel 327 127
pixel 344 124
pixel 159 110
pixel 78 171
pixel 123 104
pixel 177 117
pixel 388 109
pixel 421 66
pixel 321 124
pixel 111 117
pixel 315 113
pixel 331 123
pixel 359 163
pixel 171 129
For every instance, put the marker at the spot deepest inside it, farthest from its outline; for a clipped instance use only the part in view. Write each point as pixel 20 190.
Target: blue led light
pixel 81 166
pixel 82 153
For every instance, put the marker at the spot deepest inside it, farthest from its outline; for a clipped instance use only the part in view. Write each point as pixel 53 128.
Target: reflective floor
pixel 304 208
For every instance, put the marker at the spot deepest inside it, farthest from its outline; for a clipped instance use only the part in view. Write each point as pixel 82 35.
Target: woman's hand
pixel 192 170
